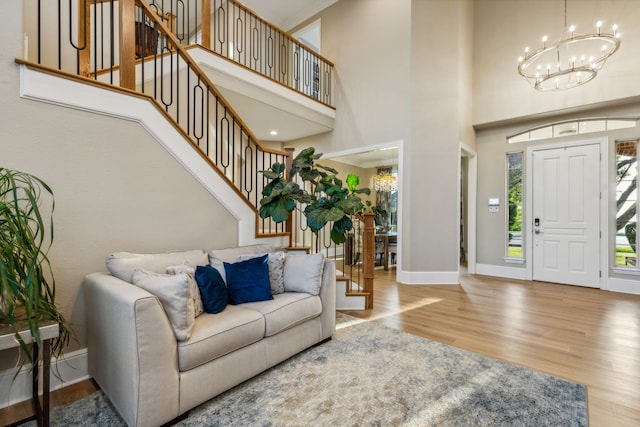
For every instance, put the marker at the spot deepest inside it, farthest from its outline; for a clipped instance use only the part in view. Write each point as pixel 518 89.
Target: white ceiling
pixel 286 14
pixel 370 159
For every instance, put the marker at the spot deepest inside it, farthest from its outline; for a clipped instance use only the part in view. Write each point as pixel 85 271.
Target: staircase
pixel 139 50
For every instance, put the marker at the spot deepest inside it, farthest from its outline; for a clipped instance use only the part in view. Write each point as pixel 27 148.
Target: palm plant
pixel 27 286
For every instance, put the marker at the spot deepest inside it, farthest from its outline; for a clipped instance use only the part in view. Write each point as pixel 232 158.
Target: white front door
pixel 566 219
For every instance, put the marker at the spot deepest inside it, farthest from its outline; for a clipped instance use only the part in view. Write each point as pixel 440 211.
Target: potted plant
pixel 27 286
pixel 327 201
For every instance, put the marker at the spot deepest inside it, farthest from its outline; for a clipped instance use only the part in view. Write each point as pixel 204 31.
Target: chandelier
pixel 571 61
pixel 384 181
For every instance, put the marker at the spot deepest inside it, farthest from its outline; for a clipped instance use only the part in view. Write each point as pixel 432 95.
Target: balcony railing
pixel 232 31
pixel 237 33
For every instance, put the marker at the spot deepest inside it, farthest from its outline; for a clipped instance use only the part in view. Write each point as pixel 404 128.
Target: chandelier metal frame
pixel 566 64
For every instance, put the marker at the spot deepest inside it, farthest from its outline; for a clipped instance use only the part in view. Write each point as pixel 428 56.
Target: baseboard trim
pixel 623 285
pixel 71 368
pixel 501 271
pixel 428 277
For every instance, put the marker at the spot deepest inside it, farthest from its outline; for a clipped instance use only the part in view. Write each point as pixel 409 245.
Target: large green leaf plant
pixel 27 286
pixel 327 202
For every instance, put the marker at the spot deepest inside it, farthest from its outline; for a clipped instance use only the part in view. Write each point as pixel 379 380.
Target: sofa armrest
pixel 328 298
pixel 132 350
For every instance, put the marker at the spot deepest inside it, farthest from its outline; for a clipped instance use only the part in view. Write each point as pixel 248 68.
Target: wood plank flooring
pixel 584 335
pixel 581 334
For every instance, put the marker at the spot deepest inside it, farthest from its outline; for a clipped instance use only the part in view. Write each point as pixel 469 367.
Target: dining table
pixel 386 237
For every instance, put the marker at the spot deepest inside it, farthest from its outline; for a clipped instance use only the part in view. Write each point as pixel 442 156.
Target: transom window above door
pixel 573 127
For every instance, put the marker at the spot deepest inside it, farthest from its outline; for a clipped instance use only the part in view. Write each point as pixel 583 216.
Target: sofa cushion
pixel 123 264
pixel 286 310
pixel 303 273
pixel 212 289
pixel 215 335
pixel 218 257
pixel 248 281
pixel 173 293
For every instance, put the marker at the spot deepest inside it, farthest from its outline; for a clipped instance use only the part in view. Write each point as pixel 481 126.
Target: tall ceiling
pixel 287 14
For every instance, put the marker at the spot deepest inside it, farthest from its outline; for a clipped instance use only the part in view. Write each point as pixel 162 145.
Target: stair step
pixel 357 294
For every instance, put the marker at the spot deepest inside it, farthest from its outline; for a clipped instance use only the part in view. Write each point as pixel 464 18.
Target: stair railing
pixel 355 259
pixel 239 34
pixel 81 36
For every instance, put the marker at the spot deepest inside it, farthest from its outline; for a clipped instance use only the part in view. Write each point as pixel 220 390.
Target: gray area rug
pixel 374 375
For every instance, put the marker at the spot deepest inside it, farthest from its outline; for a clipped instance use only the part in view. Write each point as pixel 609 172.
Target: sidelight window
pixel 514 246
pixel 626 203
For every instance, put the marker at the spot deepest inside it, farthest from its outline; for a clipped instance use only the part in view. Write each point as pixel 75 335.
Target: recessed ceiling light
pixel 274 132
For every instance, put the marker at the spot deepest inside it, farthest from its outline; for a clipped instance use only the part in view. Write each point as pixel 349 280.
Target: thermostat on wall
pixel 494 204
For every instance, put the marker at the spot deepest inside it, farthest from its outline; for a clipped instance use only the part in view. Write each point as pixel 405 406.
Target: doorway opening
pixel 467 208
pixel 565 213
pixel 379 160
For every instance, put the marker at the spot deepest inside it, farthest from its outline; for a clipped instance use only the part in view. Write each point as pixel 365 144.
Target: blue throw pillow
pixel 248 281
pixel 212 289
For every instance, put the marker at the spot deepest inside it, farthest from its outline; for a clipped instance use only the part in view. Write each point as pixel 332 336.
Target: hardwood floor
pixel 59 397
pixel 584 335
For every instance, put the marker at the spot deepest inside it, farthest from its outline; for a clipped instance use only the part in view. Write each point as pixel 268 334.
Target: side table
pixel 48 330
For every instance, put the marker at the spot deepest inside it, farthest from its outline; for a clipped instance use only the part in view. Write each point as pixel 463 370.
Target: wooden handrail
pixel 241 35
pixel 236 153
pixel 213 52
pixel 130 92
pixel 187 58
pixel 278 29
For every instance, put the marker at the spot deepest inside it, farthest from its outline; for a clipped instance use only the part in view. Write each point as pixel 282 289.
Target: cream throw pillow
pixel 173 293
pixel 194 291
pixel 123 264
pixel 303 273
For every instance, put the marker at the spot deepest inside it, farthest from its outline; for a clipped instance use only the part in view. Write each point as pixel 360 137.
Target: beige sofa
pixel 151 377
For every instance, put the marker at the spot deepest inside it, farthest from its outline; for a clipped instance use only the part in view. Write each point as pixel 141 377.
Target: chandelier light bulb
pixel 384 181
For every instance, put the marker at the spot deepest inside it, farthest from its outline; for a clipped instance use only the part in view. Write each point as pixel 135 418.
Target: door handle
pixel 536 224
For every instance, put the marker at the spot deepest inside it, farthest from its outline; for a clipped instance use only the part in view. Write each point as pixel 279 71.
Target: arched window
pixel 572 127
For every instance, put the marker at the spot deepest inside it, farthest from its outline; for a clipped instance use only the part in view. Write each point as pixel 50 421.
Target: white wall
pixel 398 79
pixel 504 103
pixel 502 29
